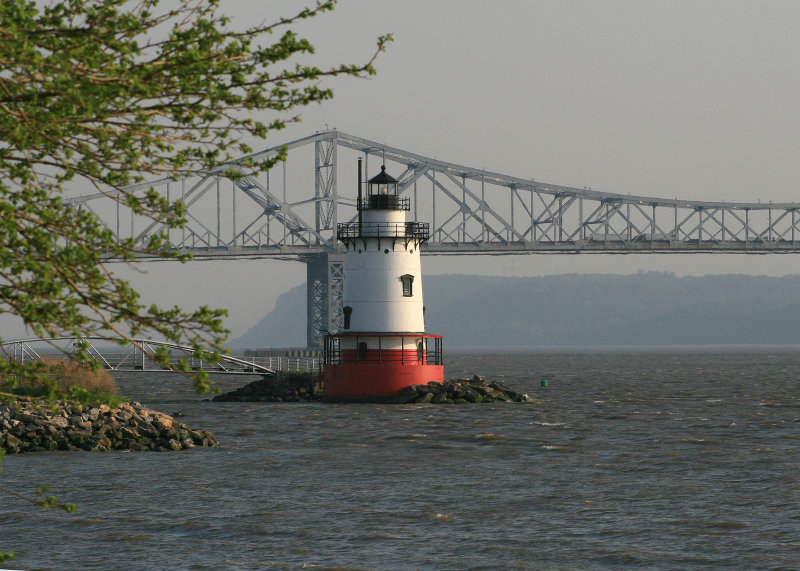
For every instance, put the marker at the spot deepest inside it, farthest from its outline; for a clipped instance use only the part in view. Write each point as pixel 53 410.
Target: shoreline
pixel 32 425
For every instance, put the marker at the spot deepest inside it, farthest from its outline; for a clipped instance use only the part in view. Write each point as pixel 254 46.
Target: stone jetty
pixel 284 387
pixel 33 426
pixel 460 391
pixel 304 387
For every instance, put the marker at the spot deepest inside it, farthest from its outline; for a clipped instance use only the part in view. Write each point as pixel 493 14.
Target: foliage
pixel 47 501
pixel 104 94
pixel 75 381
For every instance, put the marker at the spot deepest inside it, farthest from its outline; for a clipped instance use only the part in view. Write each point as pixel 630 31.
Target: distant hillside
pixel 284 326
pixel 584 309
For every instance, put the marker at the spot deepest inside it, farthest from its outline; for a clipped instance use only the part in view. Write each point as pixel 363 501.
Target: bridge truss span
pixel 293 210
pixel 473 211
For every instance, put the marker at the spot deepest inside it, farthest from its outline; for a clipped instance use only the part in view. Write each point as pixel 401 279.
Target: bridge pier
pixel 324 282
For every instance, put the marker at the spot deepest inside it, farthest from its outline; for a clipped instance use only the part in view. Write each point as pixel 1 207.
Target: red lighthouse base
pixel 376 367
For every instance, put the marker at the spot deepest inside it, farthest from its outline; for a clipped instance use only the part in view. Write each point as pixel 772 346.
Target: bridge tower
pixel 325 269
pixel 382 347
pixel 324 281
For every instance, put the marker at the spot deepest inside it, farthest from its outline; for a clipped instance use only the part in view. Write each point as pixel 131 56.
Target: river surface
pixel 675 458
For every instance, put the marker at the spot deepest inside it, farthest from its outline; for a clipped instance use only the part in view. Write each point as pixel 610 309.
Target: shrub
pixel 70 374
pixel 78 380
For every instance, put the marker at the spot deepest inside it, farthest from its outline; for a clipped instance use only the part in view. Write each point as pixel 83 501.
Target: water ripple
pixel 646 460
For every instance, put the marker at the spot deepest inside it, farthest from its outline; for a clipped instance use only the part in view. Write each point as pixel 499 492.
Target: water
pixel 661 459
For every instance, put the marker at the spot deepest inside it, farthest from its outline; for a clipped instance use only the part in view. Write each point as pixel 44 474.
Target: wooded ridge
pixel 648 308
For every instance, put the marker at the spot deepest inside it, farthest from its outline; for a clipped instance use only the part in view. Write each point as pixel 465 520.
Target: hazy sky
pixel 696 99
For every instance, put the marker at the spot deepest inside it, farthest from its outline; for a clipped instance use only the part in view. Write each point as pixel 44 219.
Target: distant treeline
pixel 650 308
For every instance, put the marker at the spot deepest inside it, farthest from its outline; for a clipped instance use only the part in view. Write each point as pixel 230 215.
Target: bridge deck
pixel 134 357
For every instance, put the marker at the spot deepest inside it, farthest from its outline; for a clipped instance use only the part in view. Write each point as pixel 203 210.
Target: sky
pixel 695 99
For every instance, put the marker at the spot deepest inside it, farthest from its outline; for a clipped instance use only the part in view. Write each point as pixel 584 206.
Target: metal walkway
pixel 131 357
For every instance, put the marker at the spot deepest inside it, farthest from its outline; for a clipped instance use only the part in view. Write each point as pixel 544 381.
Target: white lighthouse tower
pixel 383 347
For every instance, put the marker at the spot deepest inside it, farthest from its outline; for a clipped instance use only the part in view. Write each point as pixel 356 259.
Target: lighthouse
pixel 383 347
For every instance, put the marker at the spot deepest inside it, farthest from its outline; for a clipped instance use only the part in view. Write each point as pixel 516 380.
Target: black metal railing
pixel 384 202
pixel 429 353
pixel 409 230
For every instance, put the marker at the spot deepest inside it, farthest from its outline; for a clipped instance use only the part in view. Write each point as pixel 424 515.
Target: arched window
pixel 408 281
pixel 348 311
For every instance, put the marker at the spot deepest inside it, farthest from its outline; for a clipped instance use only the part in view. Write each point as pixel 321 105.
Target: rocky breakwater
pixel 284 387
pixel 33 426
pixel 460 391
pixel 304 387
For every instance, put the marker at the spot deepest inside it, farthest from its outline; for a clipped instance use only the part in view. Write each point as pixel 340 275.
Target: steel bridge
pixel 291 212
pixel 131 357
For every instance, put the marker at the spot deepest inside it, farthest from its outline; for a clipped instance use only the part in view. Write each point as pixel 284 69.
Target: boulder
pixel 162 421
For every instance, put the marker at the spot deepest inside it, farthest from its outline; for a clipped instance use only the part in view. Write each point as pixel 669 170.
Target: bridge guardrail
pixel 135 357
pixel 286 364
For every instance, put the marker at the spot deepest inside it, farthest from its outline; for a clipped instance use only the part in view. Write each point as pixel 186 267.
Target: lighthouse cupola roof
pixel 382 193
pixel 384 178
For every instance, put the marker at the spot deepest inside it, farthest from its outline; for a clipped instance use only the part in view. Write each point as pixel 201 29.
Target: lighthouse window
pixel 362 351
pixel 348 311
pixel 408 281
